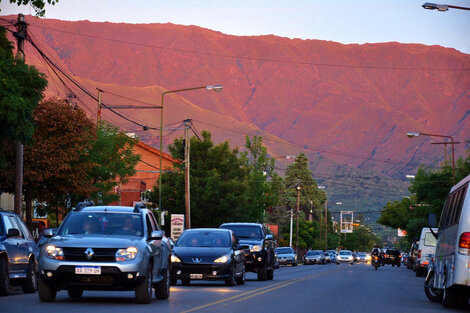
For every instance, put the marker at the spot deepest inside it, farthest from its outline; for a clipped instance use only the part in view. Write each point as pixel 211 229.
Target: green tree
pixel 37 5
pixel 21 88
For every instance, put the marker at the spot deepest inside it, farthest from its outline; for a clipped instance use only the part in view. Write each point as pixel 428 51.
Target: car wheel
pixel 398 264
pixel 45 292
pixel 75 293
pixel 185 282
pixel 162 289
pixel 241 279
pixel 294 264
pixel 173 281
pixel 230 281
pixel 271 274
pixel 263 273
pixel 30 285
pixel 143 292
pixel 393 264
pixel 4 278
pixel 433 294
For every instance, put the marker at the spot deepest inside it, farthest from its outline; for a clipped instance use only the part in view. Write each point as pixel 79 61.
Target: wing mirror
pixel 13 232
pixel 48 232
pixel 156 235
pixel 269 237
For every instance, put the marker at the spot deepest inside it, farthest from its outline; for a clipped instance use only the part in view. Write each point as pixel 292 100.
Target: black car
pixel 18 255
pixel 259 248
pixel 391 256
pixel 208 254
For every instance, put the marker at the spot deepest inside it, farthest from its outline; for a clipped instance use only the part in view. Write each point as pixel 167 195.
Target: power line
pixel 251 58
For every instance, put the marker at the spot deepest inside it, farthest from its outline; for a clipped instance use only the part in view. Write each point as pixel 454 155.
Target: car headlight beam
pixel 54 252
pixel 175 259
pixel 256 248
pixel 223 259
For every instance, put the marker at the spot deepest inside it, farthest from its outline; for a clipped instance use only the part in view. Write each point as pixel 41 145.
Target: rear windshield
pixel 429 240
pixel 245 231
pixel 98 223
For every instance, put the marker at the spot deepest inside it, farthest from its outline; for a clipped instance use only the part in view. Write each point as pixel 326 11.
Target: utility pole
pixel 187 125
pixel 298 207
pixel 20 36
pixel 98 118
pixel 291 222
pixel 326 224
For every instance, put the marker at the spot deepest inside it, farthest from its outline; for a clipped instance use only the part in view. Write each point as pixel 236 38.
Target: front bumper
pixel 254 261
pixel 288 260
pixel 201 271
pixel 344 260
pixel 111 278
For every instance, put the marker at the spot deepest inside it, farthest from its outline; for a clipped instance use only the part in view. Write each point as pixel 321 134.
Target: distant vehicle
pixel 208 254
pixel 314 257
pixel 391 256
pixel 448 276
pixel 18 255
pixel 426 248
pixel 361 257
pixel 327 257
pixel 345 256
pixel 333 255
pixel 105 248
pixel 355 257
pixel 259 247
pixel 413 255
pixel 286 256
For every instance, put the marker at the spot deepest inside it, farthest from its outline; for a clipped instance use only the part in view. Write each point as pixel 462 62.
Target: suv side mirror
pixel 269 237
pixel 156 235
pixel 13 232
pixel 48 232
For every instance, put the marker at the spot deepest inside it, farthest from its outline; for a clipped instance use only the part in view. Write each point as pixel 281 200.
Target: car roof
pixel 208 229
pixel 242 224
pixel 108 208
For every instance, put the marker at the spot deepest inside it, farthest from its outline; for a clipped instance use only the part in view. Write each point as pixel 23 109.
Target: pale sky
pixel 345 21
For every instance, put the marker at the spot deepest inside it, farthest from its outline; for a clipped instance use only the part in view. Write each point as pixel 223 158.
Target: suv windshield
pixel 98 223
pixel 284 250
pixel 245 232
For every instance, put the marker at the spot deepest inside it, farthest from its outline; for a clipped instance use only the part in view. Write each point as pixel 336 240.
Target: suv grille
pixel 101 254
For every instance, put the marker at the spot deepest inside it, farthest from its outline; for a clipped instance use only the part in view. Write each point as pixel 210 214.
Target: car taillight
pixel 419 254
pixel 464 243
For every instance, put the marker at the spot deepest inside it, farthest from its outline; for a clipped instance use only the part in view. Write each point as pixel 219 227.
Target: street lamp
pixel 298 187
pixel 441 7
pixel 216 88
pixel 452 142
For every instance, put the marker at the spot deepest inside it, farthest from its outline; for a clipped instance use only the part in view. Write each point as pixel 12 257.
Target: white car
pixel 345 256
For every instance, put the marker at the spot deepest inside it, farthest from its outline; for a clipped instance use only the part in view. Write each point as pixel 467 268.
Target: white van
pixel 449 276
pixel 426 247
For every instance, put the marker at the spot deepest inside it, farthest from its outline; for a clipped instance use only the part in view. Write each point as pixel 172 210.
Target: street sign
pixel 177 225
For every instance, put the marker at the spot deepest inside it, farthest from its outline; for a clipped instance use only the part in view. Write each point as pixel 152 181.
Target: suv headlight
pixel 126 254
pixel 223 259
pixel 175 259
pixel 55 253
pixel 256 248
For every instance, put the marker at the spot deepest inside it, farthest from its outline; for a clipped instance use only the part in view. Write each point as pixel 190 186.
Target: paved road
pixel 310 288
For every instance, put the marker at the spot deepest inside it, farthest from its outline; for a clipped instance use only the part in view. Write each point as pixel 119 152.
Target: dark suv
pixel 258 245
pixel 18 255
pixel 106 248
pixel 391 256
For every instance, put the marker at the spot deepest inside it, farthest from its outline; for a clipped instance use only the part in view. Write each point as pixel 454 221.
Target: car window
pixel 25 229
pixel 429 240
pixel 284 250
pixel 13 223
pixel 345 253
pixel 245 232
pixel 97 223
pixel 204 238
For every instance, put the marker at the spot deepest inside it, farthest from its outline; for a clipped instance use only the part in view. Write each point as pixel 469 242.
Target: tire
pixel 449 297
pixel 271 274
pixel 263 273
pixel 393 264
pixel 30 285
pixel 45 292
pixel 4 278
pixel 241 279
pixel 75 293
pixel 433 294
pixel 230 282
pixel 143 292
pixel 185 282
pixel 162 289
pixel 173 281
pixel 294 264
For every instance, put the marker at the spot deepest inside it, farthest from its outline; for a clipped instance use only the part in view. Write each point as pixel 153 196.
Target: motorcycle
pixel 375 261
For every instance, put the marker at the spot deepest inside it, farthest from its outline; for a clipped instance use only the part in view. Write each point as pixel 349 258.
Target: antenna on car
pixel 138 206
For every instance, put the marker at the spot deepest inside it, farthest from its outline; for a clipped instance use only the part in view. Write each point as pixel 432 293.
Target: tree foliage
pixel 21 88
pixel 37 5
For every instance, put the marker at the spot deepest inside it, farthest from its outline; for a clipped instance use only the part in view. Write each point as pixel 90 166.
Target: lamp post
pixel 442 7
pixel 216 88
pixel 452 142
pixel 298 207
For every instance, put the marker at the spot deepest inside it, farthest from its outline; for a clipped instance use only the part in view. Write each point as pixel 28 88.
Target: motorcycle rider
pixel 376 252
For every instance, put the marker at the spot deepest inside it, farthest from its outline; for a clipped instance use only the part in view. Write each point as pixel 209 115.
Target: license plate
pixel 195 276
pixel 88 270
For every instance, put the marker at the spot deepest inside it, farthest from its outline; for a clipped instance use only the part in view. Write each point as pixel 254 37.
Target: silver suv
pixel 106 248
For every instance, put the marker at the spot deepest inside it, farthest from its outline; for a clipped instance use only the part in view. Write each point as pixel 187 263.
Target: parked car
pixel 448 276
pixel 345 256
pixel 355 257
pixel 426 249
pixel 259 248
pixel 314 257
pixel 18 255
pixel 208 254
pixel 106 248
pixel 286 256
pixel 333 254
pixel 391 256
pixel 413 255
pixel 327 257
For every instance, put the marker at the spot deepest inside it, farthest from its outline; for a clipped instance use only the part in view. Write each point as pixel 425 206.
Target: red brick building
pixel 146 176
